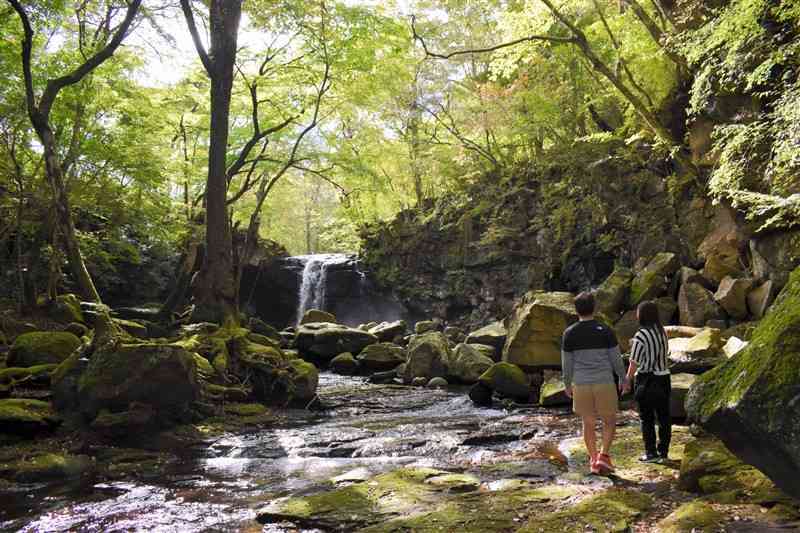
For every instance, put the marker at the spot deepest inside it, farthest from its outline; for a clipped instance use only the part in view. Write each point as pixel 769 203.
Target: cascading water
pixel 311 294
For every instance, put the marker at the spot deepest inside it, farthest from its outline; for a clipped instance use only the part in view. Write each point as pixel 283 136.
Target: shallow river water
pixel 366 429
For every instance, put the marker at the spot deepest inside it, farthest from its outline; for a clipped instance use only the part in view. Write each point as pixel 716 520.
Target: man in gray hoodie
pixel 590 357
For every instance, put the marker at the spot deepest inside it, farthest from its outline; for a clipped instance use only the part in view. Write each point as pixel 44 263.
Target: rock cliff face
pixel 564 226
pixel 468 262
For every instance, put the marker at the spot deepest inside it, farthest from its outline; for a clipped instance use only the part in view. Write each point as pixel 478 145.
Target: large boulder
pixel 493 334
pixel 316 315
pixel 389 331
pixel 41 348
pixel 427 357
pixel 326 341
pixel 759 299
pixel 625 328
pixel 381 357
pixel 751 401
pixel 680 388
pixel 732 295
pixel 612 294
pixel 696 305
pixel 535 329
pixel 695 355
pixel 652 280
pixel 507 380
pixel 466 363
pixel 667 306
pixel 21 416
pixel 163 376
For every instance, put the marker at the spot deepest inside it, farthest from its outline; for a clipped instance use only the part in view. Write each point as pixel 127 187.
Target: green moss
pixel 695 516
pixel 66 308
pixel 42 347
pixel 245 409
pixel 611 510
pixel 14 375
pixel 46 467
pixel 23 410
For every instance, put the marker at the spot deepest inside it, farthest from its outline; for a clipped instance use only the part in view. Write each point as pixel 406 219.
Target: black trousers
pixel 652 393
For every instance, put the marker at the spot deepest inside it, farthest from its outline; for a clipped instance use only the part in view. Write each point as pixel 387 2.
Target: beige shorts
pixel 595 400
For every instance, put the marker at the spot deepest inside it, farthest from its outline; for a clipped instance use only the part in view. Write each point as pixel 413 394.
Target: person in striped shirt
pixel 649 363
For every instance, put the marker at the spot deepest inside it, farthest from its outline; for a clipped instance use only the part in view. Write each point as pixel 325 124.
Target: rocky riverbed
pixel 392 458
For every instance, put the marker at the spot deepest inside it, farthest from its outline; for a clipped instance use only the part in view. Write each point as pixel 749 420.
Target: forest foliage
pixel 397 127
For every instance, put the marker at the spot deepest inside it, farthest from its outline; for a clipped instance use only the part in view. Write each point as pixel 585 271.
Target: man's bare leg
pixel 589 436
pixel 609 430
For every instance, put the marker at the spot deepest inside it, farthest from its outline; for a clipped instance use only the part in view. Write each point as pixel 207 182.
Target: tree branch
pixel 198 44
pixel 55 85
pixel 529 38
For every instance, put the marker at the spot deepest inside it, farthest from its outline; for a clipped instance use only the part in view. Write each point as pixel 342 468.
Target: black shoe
pixel 663 456
pixel 649 458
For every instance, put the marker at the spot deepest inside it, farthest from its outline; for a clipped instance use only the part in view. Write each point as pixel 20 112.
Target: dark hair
pixel 648 315
pixel 584 303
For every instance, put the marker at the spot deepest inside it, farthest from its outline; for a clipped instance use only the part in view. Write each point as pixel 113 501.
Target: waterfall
pixel 311 294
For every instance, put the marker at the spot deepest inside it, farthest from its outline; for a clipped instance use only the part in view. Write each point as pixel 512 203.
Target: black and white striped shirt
pixel 650 351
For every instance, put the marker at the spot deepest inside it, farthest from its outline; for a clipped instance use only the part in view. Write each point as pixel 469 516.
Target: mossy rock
pixel 47 467
pixel 326 341
pixel 751 400
pixel 257 325
pixel 66 308
pixel 305 379
pixel 14 376
pixel 263 340
pixel 652 280
pixel 316 315
pixel 493 334
pixel 709 468
pixel 380 357
pixel 467 363
pixel 613 292
pixel 508 381
pixel 427 357
pixel 42 347
pixel 161 375
pixel 344 364
pixel 610 510
pixel 21 416
pixel 693 517
pixel 553 393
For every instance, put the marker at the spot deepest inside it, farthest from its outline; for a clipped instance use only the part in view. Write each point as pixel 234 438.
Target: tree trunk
pixel 64 223
pixel 215 286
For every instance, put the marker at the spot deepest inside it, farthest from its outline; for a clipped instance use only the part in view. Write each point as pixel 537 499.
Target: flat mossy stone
pixel 400 492
pixel 693 517
pixel 610 510
pixel 46 467
pixel 481 512
pixel 14 375
pixel 42 347
pixel 24 416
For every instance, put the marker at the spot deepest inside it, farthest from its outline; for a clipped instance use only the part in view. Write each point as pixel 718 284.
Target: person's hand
pixel 568 391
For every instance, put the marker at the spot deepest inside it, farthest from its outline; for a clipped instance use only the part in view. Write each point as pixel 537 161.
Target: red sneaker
pixel 593 468
pixel 604 462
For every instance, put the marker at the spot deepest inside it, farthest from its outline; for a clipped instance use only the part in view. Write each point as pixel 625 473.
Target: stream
pixel 366 429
